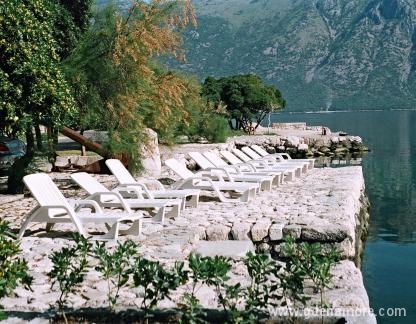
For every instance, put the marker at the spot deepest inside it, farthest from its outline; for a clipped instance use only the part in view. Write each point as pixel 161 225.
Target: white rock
pixel 276 231
pixel 303 147
pixel 217 232
pixel 151 162
pixel 260 229
pixel 240 231
pixel 232 249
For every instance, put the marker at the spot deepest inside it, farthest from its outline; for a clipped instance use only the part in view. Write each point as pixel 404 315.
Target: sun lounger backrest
pixel 251 153
pixel 201 160
pixel 179 168
pixel 259 150
pixel 231 157
pixel 119 171
pixel 88 183
pixel 241 155
pixel 215 159
pixel 45 191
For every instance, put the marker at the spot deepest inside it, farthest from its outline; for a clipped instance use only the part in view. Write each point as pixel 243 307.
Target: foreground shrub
pixel 115 266
pixel 70 265
pixel 13 270
pixel 271 283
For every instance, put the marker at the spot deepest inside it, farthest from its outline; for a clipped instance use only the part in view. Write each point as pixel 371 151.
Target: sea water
pixel 389 265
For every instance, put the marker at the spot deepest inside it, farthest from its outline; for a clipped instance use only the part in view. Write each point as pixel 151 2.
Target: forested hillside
pixel 322 54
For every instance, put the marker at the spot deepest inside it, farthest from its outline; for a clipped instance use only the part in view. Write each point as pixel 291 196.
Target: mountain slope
pixel 322 54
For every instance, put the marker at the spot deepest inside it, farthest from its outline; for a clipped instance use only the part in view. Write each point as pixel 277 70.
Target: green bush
pixel 70 266
pixel 13 270
pixel 271 283
pixel 207 124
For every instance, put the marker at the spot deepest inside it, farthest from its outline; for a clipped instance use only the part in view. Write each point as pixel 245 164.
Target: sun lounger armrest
pixel 201 178
pixel 37 208
pixel 136 188
pixel 258 163
pixel 268 160
pixel 220 173
pixel 207 174
pixel 274 157
pixel 96 197
pixel 285 156
pixel 156 183
pixel 245 166
pixel 87 203
pixel 233 168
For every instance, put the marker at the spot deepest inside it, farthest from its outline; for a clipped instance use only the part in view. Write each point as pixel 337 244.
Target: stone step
pixel 232 249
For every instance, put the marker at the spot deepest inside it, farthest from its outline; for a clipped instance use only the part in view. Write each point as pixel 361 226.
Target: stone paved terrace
pixel 326 204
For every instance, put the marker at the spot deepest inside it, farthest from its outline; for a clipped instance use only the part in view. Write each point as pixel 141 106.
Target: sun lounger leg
pixel 266 185
pixel 159 216
pixel 112 234
pixel 134 229
pixel 192 201
pixel 174 212
pixel 32 214
pixel 289 176
pixel 277 180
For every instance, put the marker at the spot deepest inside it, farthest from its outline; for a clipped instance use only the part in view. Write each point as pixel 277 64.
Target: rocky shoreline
pixel 326 205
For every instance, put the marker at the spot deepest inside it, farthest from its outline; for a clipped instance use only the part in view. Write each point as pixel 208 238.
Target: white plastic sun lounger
pixel 282 156
pixel 151 187
pixel 265 181
pixel 226 191
pixel 54 208
pixel 106 198
pixel 290 172
pixel 246 169
pixel 274 161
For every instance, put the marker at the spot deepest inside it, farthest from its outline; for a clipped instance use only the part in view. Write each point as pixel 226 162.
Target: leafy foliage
pixel 308 260
pixel 71 20
pixel 156 281
pixel 246 99
pixel 34 36
pixel 115 266
pixel 272 284
pixel 206 122
pixel 70 266
pixel 211 271
pixel 120 88
pixel 263 290
pixel 12 269
pixel 33 89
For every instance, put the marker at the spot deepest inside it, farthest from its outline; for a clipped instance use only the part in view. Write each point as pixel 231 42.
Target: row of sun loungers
pixel 233 176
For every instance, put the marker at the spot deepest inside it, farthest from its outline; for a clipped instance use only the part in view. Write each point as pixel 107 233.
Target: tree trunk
pixel 230 123
pixel 38 135
pixel 19 168
pixel 83 148
pixel 90 145
pixel 30 140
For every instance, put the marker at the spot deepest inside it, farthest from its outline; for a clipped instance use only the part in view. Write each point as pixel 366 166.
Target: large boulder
pixel 151 154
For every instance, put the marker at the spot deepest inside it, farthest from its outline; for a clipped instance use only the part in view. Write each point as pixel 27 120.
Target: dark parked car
pixel 11 149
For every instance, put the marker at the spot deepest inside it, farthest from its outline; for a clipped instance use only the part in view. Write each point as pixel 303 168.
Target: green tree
pixel 203 119
pixel 248 100
pixel 117 79
pixel 33 89
pixel 71 20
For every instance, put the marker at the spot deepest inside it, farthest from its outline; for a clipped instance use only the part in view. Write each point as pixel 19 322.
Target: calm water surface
pixel 389 266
